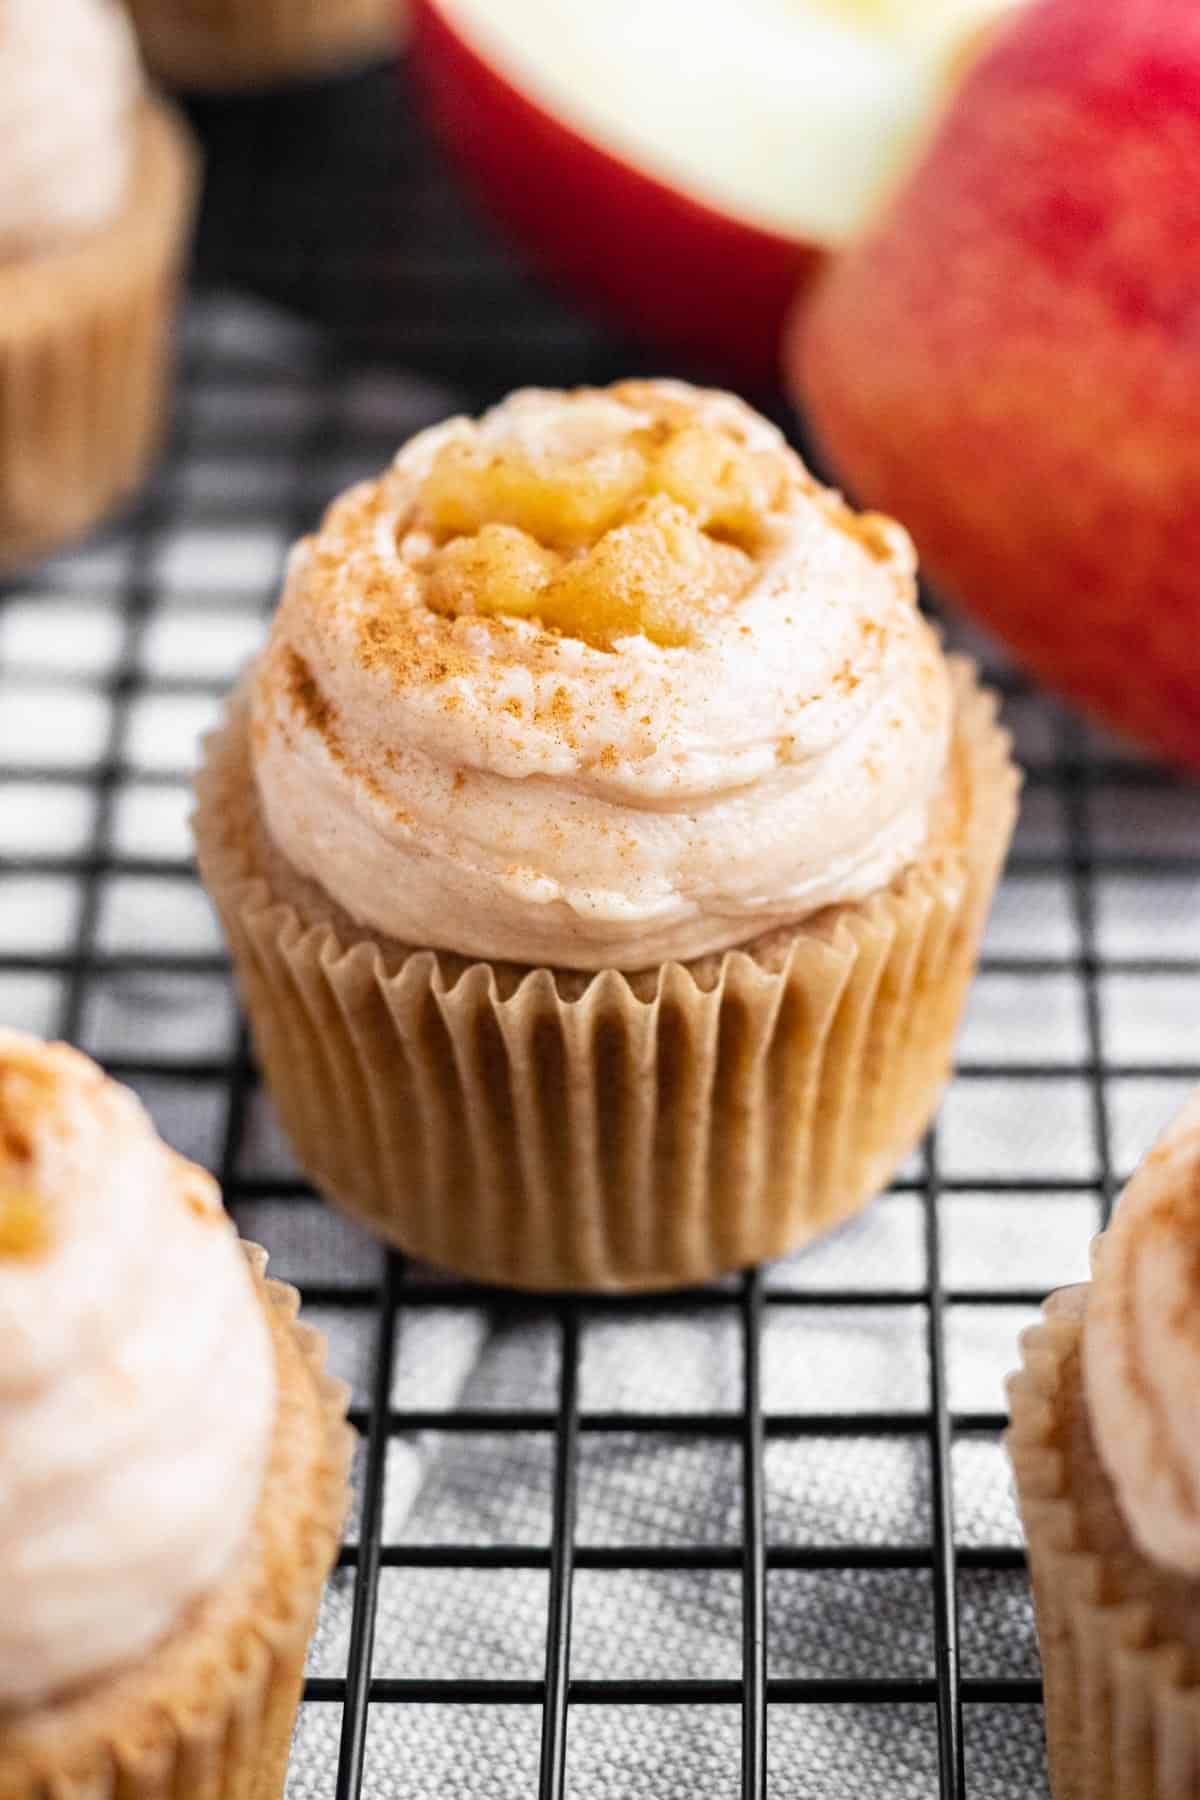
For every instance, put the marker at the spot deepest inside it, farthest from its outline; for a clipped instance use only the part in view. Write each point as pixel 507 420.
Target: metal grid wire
pixel 804 1463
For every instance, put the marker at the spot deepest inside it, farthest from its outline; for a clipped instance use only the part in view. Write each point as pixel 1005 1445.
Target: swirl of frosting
pixel 602 679
pixel 69 84
pixel 137 1383
pixel 1141 1348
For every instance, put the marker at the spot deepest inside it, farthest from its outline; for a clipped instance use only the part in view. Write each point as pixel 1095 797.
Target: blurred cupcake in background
pixel 173 1460
pixel 1106 1453
pixel 223 45
pixel 96 185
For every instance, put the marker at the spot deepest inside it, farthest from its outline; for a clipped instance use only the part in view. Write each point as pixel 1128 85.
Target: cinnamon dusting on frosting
pixel 561 709
pixel 392 642
pixel 24 1222
pixel 306 696
pixel 873 531
pixel 15 1143
pixel 24 1080
pixel 27 1098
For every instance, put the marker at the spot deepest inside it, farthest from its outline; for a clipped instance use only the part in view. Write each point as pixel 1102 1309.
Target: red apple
pixel 1009 360
pixel 683 166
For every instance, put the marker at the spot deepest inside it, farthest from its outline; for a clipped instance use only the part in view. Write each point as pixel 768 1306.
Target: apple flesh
pixel 1010 359
pixel 681 166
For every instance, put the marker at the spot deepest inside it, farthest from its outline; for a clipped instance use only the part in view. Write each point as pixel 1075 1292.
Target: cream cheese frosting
pixel 69 85
pixel 1142 1348
pixel 600 679
pixel 137 1382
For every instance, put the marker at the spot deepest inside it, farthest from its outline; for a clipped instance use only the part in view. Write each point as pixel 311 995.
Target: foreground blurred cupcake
pixel 604 844
pixel 223 45
pixel 96 187
pixel 1105 1443
pixel 172 1460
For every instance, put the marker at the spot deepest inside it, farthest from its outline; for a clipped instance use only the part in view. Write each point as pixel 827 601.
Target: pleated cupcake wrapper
pixel 209 1714
pixel 223 45
pixel 84 353
pixel 1122 1719
pixel 620 1132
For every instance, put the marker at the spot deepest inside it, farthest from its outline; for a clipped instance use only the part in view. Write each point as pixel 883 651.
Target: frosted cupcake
pixel 604 843
pixel 172 1460
pixel 96 185
pixel 223 45
pixel 1105 1444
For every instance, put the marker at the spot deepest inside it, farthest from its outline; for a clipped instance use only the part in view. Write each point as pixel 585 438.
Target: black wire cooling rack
pixel 806 1460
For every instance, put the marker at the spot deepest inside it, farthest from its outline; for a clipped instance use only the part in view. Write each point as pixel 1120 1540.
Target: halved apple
pixel 683 164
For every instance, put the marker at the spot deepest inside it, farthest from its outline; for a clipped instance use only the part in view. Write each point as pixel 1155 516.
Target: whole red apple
pixel 1009 360
pixel 681 167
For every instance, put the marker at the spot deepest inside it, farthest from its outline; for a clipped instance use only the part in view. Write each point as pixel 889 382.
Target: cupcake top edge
pixel 70 81
pixel 137 1381
pixel 1141 1348
pixel 602 678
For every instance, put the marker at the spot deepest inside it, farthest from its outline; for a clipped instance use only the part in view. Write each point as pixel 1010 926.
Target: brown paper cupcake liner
pixel 550 1129
pixel 84 354
pixel 1120 1640
pixel 208 1714
pixel 223 45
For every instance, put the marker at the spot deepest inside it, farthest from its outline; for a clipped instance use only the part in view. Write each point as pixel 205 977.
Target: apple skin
pixel 657 263
pixel 1009 360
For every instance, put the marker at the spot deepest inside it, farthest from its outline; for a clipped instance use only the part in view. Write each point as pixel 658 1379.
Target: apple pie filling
pixel 615 534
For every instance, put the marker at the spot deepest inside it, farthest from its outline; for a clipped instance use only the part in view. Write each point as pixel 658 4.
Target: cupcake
pixel 96 187
pixel 223 45
pixel 604 843
pixel 1105 1445
pixel 172 1460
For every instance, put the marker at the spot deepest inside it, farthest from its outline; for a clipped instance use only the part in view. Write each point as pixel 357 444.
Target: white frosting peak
pixel 69 82
pixel 483 784
pixel 1142 1348
pixel 136 1377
